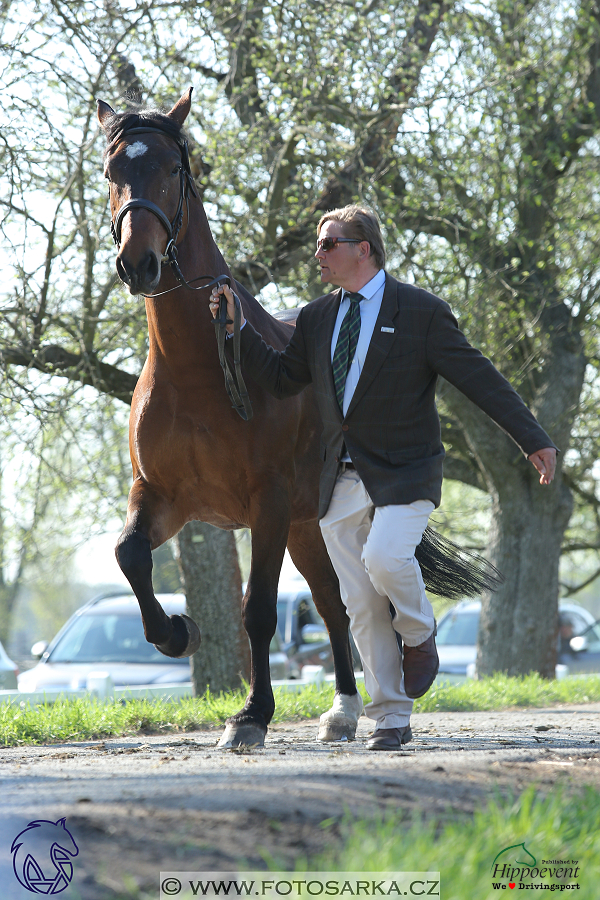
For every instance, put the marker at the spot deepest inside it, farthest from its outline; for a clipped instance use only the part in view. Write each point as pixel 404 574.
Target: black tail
pixel 449 571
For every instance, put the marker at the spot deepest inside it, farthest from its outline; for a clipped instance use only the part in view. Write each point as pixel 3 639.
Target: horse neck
pixel 198 252
pixel 180 325
pixel 181 320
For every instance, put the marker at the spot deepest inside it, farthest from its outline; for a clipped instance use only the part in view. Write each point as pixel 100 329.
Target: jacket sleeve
pixel 281 373
pixel 451 355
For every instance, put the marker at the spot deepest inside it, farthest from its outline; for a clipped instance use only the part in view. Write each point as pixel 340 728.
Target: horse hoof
pixel 184 640
pixel 340 722
pixel 250 736
pixel 336 731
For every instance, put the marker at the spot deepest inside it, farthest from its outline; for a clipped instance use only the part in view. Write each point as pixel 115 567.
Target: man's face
pixel 340 264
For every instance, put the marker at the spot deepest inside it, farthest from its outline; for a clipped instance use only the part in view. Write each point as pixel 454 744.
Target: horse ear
pixel 104 113
pixel 180 111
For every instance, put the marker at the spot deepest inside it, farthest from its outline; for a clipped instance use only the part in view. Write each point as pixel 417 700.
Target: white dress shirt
pixel 369 310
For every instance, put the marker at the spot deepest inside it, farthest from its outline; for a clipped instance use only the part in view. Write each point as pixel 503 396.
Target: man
pixel 373 351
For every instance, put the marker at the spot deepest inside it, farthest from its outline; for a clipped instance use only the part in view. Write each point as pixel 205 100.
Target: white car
pixel 457 640
pixel 107 635
pixel 8 672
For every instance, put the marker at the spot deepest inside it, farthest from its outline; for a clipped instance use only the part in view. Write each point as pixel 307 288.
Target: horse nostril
pixel 124 270
pixel 142 277
pixel 149 271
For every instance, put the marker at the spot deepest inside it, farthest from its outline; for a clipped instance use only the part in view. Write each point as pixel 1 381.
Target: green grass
pixel 560 826
pixel 83 719
pixel 555 827
pixel 502 692
pixel 80 720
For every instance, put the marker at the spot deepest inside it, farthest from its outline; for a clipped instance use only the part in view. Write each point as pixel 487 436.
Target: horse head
pixel 147 168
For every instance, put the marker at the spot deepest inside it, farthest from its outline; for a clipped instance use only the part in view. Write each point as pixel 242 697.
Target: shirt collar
pixel 371 287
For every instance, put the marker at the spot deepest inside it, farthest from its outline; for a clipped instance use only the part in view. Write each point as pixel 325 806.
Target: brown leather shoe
pixel 420 665
pixel 389 738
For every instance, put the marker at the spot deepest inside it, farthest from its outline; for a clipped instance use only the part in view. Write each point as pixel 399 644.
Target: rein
pixel 234 381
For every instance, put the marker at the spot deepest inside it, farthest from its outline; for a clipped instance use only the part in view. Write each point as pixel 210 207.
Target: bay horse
pixel 192 456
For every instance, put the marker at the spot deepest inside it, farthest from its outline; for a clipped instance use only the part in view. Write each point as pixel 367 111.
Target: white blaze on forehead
pixel 137 149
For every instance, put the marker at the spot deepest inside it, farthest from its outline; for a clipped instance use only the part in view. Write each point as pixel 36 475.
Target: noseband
pixel 234 381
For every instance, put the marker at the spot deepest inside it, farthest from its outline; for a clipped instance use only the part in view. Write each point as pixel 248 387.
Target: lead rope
pixel 234 381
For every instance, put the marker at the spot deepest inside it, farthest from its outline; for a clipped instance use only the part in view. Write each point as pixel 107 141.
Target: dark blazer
pixel 392 428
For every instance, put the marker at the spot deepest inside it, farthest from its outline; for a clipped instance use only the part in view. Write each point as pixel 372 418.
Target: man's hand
pixel 545 462
pixel 214 305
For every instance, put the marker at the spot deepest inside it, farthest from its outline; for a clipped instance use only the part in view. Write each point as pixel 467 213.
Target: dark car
pixel 579 650
pixel 303 633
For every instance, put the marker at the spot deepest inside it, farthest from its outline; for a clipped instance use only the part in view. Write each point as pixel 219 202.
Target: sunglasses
pixel 328 243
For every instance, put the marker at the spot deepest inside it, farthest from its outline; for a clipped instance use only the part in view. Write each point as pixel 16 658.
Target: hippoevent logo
pixel 516 868
pixel 42 855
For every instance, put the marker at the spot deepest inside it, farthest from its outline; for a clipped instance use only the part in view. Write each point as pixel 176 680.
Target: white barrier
pixel 100 687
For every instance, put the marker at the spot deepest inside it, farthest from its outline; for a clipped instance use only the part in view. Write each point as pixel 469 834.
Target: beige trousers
pixel 373 553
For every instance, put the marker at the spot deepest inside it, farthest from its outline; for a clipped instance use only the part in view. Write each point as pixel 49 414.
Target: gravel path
pixel 136 805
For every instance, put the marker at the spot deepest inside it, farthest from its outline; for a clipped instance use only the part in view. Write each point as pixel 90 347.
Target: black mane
pixel 149 118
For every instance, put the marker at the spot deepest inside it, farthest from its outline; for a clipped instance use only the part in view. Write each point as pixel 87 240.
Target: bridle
pixel 234 382
pixel 186 184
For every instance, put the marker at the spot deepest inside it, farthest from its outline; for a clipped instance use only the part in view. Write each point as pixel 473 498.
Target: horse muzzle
pixel 142 278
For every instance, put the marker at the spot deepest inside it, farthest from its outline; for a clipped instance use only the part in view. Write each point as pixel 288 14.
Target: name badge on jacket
pixel 387 330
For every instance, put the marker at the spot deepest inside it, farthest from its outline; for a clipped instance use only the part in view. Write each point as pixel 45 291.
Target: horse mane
pixel 149 118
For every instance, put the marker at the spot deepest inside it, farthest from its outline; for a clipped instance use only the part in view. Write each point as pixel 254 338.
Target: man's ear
pixel 365 249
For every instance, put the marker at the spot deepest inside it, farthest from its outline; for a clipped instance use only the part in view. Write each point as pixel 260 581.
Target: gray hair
pixel 361 223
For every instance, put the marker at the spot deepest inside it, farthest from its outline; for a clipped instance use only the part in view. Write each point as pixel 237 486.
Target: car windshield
pixel 459 629
pixel 108 638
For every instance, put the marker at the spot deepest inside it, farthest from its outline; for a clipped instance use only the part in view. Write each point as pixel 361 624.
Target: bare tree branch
pixel 370 154
pixel 55 360
pixel 575 588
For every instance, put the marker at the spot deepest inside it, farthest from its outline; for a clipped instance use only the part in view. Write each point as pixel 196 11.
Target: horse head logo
pixel 42 856
pixel 529 861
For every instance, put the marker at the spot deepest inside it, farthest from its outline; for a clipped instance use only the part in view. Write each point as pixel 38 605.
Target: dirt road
pixel 139 805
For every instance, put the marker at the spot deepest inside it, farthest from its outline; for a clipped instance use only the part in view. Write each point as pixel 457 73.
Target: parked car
pixel 457 639
pixel 279 662
pixel 579 650
pixel 8 672
pixel 107 635
pixel 302 631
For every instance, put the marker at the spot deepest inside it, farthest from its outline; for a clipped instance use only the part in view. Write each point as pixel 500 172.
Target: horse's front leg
pixel 310 557
pixel 270 526
pixel 149 524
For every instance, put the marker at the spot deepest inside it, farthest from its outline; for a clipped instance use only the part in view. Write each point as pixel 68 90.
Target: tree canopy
pixel 470 128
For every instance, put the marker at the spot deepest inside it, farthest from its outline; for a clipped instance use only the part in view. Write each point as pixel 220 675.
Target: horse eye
pixel 176 170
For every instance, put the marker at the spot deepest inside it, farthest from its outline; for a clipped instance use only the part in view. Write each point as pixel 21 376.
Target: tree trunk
pixel 518 626
pixel 211 577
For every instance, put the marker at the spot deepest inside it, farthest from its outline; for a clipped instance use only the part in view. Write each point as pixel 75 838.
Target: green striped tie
pixel 346 346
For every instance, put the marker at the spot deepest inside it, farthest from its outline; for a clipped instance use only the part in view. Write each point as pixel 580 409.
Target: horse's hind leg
pixel 269 526
pixel 148 526
pixel 310 557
